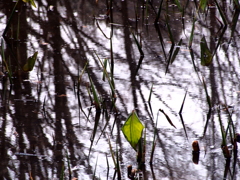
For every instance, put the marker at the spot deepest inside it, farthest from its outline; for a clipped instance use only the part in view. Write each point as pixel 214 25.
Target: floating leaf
pixel 132 129
pixel 31 2
pixel 30 62
pixel 206 55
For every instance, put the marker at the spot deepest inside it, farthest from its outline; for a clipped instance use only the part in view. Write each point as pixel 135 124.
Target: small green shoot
pixel 9 20
pixel 158 14
pixel 141 151
pixel 154 141
pixel 180 114
pixel 78 90
pixel 169 120
pixel 30 62
pixel 172 46
pixel 110 81
pixel 221 13
pixel 224 141
pixel 203 4
pixel 209 104
pixel 183 19
pixel 176 51
pixel 160 39
pixel 132 129
pixel 208 118
pixel 107 117
pixel 193 61
pixel 105 67
pixel 118 165
pixel 97 117
pixel 95 169
pixel 192 33
pixel 150 94
pixel 146 4
pixel 102 30
pixel 220 39
pixel 169 31
pixel 207 96
pixel 69 168
pixel 62 171
pixel 169 57
pixel 30 2
pixel 206 55
pixel 230 126
pixel 107 166
pixel 95 95
pixel 179 5
pixel 18 27
pixel 140 51
pixel 112 153
pixel 149 100
pixel 115 161
pixel 234 23
pixel 7 64
pixel 236 2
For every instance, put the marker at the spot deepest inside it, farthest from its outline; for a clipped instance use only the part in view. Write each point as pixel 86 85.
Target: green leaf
pixel 31 2
pixel 206 55
pixel 203 4
pixel 132 129
pixel 30 62
pixel 178 5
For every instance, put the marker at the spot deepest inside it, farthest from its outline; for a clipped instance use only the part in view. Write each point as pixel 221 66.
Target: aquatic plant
pixel 30 62
pixel 132 129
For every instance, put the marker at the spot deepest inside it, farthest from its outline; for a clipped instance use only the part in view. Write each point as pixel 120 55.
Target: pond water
pixel 51 126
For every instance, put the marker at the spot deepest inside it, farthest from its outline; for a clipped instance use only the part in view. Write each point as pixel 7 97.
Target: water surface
pixel 44 132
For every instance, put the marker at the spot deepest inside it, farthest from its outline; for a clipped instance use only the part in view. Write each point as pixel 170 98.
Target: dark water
pixel 44 134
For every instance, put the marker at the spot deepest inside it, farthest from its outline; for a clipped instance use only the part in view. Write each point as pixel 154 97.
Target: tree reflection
pixel 42 126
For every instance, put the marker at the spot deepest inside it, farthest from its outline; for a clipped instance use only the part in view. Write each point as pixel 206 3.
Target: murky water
pixel 47 115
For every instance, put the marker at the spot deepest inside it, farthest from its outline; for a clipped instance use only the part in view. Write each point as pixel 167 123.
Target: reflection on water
pixel 50 128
